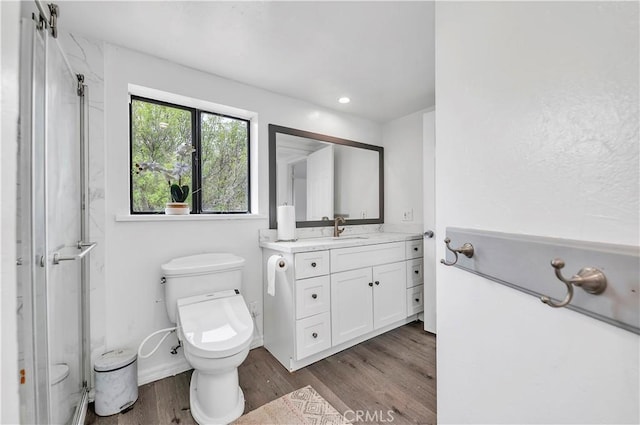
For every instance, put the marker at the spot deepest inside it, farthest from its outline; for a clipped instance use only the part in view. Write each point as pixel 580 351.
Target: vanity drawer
pixel 309 264
pixel 366 256
pixel 313 335
pixel 415 300
pixel 415 273
pixel 414 248
pixel 312 296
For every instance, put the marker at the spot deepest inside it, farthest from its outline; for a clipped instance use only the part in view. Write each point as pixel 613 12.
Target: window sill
pixel 190 217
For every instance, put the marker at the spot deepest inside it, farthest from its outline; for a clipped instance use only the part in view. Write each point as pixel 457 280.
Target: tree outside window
pixel 216 168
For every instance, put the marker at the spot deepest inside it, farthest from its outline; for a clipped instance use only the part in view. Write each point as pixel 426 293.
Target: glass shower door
pixel 63 209
pixel 49 220
pixel 32 297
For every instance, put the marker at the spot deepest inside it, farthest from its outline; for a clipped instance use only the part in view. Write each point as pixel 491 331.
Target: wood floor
pixel 393 372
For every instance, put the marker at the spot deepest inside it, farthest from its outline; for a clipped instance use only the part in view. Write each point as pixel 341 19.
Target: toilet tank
pixel 198 275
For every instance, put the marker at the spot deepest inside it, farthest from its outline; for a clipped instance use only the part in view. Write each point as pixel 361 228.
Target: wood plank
pixel 395 371
pixel 173 400
pixel 92 418
pixel 145 410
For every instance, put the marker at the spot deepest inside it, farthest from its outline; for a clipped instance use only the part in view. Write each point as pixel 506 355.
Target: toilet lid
pixel 58 372
pixel 216 327
pixel 201 263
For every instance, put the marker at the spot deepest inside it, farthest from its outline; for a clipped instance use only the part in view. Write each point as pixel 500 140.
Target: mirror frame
pixel 274 130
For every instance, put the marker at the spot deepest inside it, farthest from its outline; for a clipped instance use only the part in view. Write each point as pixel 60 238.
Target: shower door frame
pixel 33 268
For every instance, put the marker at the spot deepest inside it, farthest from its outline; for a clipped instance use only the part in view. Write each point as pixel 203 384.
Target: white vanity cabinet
pixel 366 299
pixel 330 299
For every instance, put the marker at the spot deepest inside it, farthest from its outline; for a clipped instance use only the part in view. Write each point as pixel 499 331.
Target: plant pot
pixel 176 208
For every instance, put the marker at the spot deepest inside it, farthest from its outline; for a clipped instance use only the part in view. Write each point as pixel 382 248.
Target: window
pixel 204 153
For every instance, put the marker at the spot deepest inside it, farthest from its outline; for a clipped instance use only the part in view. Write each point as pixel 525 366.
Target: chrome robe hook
pixel 466 250
pixel 590 279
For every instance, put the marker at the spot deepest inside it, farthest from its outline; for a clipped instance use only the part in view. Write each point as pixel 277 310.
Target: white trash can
pixel 116 381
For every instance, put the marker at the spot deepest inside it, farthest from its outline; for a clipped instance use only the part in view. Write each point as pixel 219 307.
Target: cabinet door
pixel 415 303
pixel 312 296
pixel 309 264
pixel 389 294
pixel 313 335
pixel 351 305
pixel 414 272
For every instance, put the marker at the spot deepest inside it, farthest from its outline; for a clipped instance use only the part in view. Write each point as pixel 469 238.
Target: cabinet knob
pixel 313 264
pixel 314 296
pixel 417 300
pixel 315 335
pixel 415 248
pixel 370 283
pixel 416 271
pixel 377 282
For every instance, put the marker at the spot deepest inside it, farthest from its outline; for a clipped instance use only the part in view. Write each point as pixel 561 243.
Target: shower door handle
pixel 84 246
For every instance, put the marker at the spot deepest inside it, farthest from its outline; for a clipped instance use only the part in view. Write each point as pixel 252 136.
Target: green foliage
pixel 225 165
pixel 179 194
pixel 158 131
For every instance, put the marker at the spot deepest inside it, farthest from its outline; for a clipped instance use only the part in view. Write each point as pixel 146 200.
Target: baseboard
pixel 163 371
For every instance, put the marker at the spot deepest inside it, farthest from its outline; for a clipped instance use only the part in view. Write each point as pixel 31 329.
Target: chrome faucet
pixel 338 221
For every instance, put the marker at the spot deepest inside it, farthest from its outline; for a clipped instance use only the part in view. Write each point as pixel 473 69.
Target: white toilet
pixel 202 294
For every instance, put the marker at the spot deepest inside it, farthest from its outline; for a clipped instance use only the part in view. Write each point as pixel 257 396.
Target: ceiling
pixel 380 54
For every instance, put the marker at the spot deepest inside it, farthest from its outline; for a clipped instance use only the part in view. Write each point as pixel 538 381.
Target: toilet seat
pixel 215 325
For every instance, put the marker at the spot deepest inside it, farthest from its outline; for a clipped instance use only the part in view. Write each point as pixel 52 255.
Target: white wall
pixel 9 40
pixel 537 133
pixel 127 298
pixel 402 141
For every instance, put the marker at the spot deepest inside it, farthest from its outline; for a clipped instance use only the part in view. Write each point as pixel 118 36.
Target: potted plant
pixel 178 192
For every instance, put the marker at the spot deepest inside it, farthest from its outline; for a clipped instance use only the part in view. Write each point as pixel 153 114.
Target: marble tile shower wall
pixel 62 212
pixel 86 57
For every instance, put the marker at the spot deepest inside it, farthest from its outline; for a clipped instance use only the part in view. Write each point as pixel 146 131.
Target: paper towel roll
pixel 286 223
pixel 275 264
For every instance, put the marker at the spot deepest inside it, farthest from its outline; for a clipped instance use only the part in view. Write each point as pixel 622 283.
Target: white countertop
pixel 319 244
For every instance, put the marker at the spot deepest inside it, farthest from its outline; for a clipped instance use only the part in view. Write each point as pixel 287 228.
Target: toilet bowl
pixel 215 328
pixel 60 391
pixel 216 331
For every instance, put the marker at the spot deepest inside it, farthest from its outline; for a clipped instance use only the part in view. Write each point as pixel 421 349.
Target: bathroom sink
pixel 338 238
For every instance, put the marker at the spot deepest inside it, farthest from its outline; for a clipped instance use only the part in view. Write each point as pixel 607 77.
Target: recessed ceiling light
pixel 344 99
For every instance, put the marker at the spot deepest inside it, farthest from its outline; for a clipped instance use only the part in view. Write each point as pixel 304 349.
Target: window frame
pixel 196 160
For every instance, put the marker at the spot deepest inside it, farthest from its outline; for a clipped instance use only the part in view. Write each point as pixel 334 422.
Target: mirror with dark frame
pixel 324 177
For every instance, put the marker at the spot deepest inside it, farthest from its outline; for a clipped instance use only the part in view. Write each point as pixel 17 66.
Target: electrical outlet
pixel 407 215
